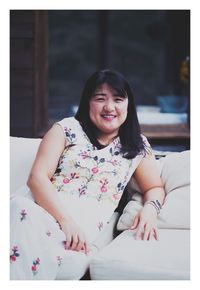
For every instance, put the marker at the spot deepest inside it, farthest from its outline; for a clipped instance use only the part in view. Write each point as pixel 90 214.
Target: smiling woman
pixel 80 172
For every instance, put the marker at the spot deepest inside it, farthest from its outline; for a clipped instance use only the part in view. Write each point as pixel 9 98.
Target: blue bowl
pixel 173 104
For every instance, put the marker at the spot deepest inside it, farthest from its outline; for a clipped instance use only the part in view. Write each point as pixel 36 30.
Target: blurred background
pixel 52 53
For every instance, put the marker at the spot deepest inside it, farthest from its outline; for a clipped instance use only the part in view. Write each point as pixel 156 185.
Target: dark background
pixel 52 53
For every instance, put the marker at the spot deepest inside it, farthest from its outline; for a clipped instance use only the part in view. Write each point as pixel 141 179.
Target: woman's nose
pixel 109 106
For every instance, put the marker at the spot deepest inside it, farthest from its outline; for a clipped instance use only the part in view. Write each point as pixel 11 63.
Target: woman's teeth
pixel 108 116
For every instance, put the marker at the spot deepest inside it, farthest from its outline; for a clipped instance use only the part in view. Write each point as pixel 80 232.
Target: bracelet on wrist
pixel 156 204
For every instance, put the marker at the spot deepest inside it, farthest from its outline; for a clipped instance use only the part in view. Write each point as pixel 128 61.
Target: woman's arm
pixel 148 178
pixel 43 168
pixel 44 192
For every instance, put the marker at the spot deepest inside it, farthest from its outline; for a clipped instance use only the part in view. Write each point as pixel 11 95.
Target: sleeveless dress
pixel 89 182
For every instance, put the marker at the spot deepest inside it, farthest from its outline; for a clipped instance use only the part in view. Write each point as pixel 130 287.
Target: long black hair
pixel 129 132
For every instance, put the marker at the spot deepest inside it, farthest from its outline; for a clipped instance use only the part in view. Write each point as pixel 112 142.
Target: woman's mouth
pixel 108 117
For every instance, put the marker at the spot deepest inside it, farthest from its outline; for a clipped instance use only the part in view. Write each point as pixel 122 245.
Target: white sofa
pixel 125 258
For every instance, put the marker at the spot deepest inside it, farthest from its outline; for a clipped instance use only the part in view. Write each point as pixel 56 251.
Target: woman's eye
pixel 100 99
pixel 118 100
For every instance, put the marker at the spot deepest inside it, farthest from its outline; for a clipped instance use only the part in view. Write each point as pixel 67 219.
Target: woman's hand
pixel 145 223
pixel 75 238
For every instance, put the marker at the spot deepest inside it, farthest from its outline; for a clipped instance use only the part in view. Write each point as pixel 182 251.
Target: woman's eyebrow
pixel 100 94
pixel 120 96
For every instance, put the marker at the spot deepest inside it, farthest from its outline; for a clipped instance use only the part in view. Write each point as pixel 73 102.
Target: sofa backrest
pixel 22 155
pixel 175 174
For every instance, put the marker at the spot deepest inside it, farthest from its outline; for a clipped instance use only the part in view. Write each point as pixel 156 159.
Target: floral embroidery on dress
pixel 115 150
pixel 82 189
pixel 48 233
pixel 87 172
pixel 15 254
pixel 59 260
pixel 100 226
pixel 23 214
pixel 120 187
pixel 73 175
pixel 71 137
pixel 104 184
pixel 34 267
pixel 87 155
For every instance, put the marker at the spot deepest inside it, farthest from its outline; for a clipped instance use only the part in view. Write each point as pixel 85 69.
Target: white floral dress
pixel 90 183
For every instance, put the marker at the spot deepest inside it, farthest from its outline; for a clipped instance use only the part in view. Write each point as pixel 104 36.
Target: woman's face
pixel 108 111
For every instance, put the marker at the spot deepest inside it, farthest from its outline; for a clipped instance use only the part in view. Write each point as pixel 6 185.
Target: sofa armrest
pixel 22 155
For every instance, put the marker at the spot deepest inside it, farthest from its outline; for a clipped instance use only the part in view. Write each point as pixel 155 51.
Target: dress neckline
pixel 113 143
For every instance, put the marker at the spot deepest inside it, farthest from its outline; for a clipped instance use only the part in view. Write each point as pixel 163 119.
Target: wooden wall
pixel 28 72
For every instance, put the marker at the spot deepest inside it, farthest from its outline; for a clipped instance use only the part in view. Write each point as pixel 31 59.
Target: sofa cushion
pixel 129 259
pixel 174 171
pixel 22 155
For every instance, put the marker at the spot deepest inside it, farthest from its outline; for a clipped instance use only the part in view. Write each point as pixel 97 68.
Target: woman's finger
pixel 147 232
pixel 156 234
pixel 80 244
pixel 87 247
pixel 140 230
pixel 151 234
pixel 135 223
pixel 68 242
pixel 74 242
